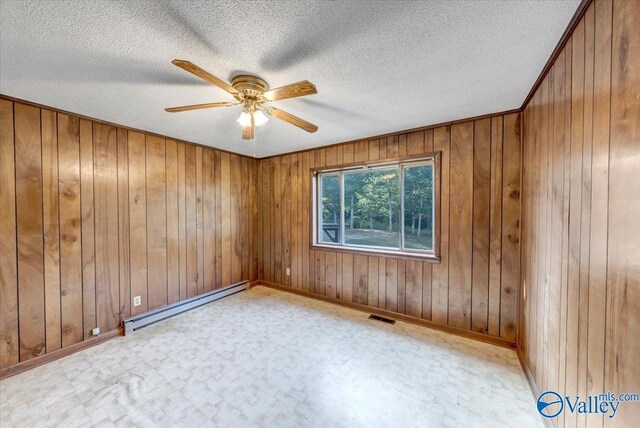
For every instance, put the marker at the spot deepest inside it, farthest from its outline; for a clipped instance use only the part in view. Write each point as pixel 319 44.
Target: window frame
pixel 396 164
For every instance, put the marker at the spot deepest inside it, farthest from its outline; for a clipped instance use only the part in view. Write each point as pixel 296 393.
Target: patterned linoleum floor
pixel 269 358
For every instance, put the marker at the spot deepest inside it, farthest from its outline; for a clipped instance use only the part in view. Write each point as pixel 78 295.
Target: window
pixel 380 208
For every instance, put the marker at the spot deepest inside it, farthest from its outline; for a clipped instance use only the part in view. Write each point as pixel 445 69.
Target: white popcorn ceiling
pixel 379 66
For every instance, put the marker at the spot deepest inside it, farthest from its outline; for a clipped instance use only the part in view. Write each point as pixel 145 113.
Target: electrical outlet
pixel 288 271
pixel 95 331
pixel 137 301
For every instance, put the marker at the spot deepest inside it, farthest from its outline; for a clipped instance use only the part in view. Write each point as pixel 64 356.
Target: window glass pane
pixel 418 207
pixel 330 227
pixel 372 208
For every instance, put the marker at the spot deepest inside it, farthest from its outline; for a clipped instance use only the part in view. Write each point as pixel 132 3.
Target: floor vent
pixel 139 321
pixel 383 319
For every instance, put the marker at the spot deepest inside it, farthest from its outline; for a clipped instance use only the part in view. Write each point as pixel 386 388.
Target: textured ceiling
pixel 378 66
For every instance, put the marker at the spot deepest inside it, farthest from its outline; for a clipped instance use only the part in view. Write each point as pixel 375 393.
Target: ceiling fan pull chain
pixel 254 144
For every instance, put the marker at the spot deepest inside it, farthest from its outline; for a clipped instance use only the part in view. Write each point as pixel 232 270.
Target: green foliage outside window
pixel 373 207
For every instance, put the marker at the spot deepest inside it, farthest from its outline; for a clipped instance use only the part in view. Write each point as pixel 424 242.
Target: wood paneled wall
pixel 474 287
pixel 581 211
pixel 93 215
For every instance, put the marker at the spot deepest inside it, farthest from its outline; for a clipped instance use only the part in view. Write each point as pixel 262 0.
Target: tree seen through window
pixel 384 207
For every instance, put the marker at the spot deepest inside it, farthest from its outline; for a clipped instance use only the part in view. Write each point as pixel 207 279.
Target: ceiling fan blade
pixel 294 120
pixel 194 69
pixel 199 106
pixel 298 89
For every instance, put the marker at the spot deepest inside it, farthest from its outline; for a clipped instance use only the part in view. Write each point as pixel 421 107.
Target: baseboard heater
pixel 139 321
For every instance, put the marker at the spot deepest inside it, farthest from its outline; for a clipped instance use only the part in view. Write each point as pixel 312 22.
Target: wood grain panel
pixel 276 259
pixel 382 281
pixel 51 226
pixel 415 143
pixel 235 201
pixel 481 231
pixel 576 123
pixel 347 277
pixel 402 144
pixel 427 277
pixel 330 275
pixel 312 271
pixel 320 273
pixel 554 266
pixel 599 202
pixel 427 267
pixel 391 285
pixel 255 235
pixel 331 154
pixel 296 245
pixel 401 286
pixel 86 206
pixel 495 227
pixel 123 223
pixel 347 153
pixel 374 150
pixel 199 221
pixel 225 189
pixel 372 281
pixel 413 280
pixel 70 229
pixel 182 219
pixel 565 218
pixel 286 191
pixel 156 222
pixel 9 346
pixel 191 219
pixel 585 223
pixel 580 192
pixel 105 184
pixel 209 220
pixel 173 223
pixel 219 226
pixel 138 220
pixel 360 278
pixel 306 224
pixel 440 286
pixel 30 242
pixel 88 228
pixel 544 241
pixel 461 215
pixel 265 186
pixel 245 205
pixel 510 275
pixel 419 288
pixel 622 371
pixel 339 276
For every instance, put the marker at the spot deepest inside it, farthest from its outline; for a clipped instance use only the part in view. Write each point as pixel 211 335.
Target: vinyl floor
pixel 266 358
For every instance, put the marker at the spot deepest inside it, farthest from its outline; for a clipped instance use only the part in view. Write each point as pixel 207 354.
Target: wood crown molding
pixel 582 8
pixel 577 16
pixel 115 125
pixel 404 131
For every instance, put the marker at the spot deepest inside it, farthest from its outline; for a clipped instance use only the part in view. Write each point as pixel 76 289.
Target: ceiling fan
pixel 251 92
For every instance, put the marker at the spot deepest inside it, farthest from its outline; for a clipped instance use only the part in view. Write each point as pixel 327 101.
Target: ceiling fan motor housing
pixel 250 86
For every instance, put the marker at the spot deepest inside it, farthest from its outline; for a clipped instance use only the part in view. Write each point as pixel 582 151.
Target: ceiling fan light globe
pixel 244 119
pixel 259 118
